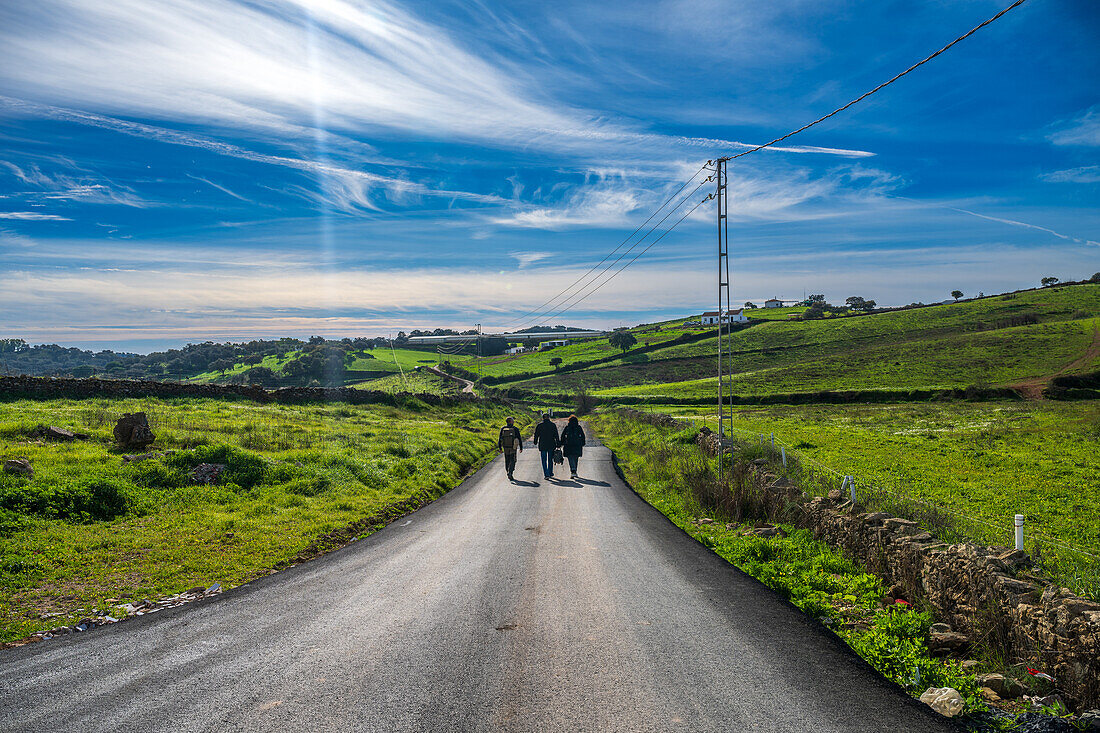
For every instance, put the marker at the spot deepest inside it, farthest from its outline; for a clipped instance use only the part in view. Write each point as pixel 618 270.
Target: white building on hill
pixel 773 303
pixel 710 318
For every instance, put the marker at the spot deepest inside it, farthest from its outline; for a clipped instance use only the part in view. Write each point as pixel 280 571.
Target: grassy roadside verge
pixel 666 470
pixel 88 532
pixel 988 461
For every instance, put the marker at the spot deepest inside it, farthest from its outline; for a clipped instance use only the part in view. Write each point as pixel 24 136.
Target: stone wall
pixel 988 593
pixel 48 388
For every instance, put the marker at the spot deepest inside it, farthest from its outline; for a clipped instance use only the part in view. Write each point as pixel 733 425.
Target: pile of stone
pixel 136 608
pixel 52 432
pixel 206 473
pixel 21 466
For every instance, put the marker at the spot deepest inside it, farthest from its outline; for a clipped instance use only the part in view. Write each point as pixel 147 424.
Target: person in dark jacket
pixel 547 440
pixel 511 443
pixel 572 443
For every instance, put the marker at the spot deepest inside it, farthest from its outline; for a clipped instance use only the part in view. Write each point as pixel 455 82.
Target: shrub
pixel 584 402
pixel 243 468
pixel 895 645
pixel 94 499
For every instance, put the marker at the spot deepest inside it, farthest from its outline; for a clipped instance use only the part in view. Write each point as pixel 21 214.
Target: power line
pixel 635 258
pixel 884 84
pixel 617 248
pixel 858 99
pixel 546 314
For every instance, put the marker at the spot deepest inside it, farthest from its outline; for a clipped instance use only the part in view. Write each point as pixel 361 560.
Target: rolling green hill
pixel 1017 339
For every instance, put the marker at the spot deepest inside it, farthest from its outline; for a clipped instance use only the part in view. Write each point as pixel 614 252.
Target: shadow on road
pixel 590 482
pixel 517 482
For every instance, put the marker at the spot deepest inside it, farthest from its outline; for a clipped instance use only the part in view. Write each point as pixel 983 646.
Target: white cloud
pixel 368 67
pixel 1084 174
pixel 344 189
pixel 81 187
pixel 31 216
pixel 604 205
pixel 1084 130
pixel 529 258
pixel 116 303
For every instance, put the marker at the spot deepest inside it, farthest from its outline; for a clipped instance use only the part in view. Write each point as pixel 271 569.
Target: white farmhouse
pixel 773 303
pixel 710 318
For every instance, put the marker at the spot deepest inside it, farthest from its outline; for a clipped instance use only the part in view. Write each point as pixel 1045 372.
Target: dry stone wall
pixel 989 593
pixel 49 387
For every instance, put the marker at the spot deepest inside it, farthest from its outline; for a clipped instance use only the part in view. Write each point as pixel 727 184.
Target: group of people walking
pixel 570 442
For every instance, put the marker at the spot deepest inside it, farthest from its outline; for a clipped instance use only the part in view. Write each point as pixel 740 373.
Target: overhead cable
pixel 884 84
pixel 608 255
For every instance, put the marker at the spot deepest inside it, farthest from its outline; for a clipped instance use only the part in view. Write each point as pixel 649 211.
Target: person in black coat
pixel 547 440
pixel 572 443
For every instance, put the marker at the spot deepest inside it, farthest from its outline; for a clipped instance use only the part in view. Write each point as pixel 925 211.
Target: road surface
pixel 467 385
pixel 569 606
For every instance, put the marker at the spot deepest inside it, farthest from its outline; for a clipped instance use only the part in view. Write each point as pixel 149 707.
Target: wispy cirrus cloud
pixel 350 188
pixel 32 216
pixel 352 67
pixel 77 186
pixel 1083 130
pixel 1084 174
pixel 526 259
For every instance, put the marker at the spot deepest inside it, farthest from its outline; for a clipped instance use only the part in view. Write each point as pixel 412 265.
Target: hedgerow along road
pixel 536 606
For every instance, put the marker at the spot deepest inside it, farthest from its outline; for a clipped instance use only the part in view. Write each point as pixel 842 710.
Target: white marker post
pixel 773 441
pixel 1019 531
pixel 851 489
pixel 783 453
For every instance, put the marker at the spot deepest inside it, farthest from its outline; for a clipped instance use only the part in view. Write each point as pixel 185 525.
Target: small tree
pixel 622 340
pixel 1047 281
pixel 261 376
pixel 1095 278
pixel 815 298
pixel 750 305
pixel 855 302
pixel 584 402
pixel 956 294
pixel 555 362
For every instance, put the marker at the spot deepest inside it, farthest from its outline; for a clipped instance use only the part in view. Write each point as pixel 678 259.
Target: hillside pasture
pixel 88 527
pixel 1006 356
pixel 987 460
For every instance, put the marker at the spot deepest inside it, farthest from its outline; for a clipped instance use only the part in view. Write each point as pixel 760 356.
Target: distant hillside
pixel 1018 339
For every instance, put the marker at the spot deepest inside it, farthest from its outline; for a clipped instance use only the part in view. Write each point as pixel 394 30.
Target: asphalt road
pixel 568 606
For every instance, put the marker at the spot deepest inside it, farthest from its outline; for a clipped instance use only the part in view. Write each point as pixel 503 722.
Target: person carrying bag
pixel 547 441
pixel 572 443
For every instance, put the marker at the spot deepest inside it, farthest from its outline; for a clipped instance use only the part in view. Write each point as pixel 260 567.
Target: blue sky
pixel 184 170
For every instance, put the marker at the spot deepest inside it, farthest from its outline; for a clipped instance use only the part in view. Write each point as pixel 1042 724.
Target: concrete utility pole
pixel 724 309
pixel 478 351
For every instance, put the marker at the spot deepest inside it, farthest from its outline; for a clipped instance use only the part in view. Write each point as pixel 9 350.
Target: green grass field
pixel 987 460
pixel 372 360
pixel 88 528
pixel 1023 338
pixel 1002 357
pixel 413 382
pixel 274 363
